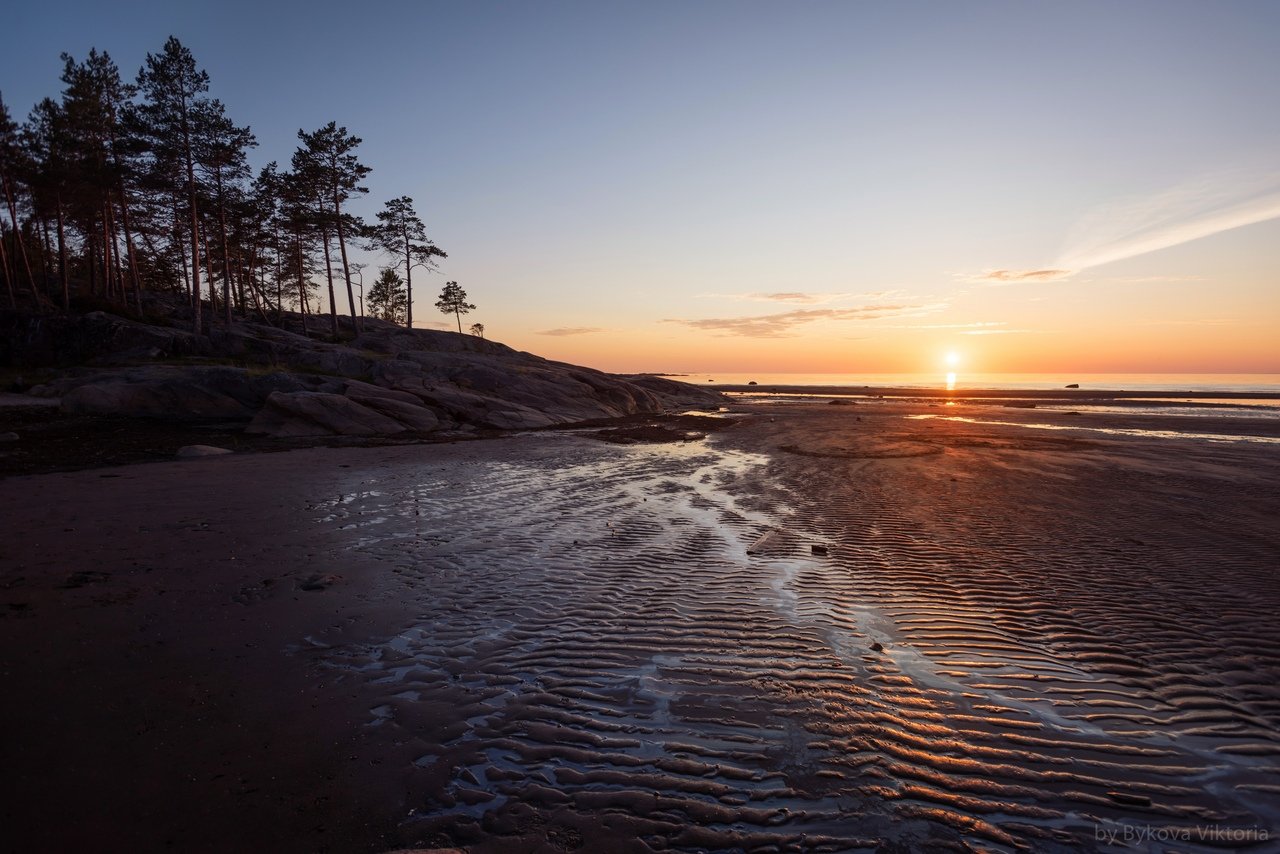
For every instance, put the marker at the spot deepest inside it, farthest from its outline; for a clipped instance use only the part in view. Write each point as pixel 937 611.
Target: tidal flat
pixel 822 628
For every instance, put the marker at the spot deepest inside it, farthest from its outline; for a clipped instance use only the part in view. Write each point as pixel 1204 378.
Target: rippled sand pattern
pixel 960 663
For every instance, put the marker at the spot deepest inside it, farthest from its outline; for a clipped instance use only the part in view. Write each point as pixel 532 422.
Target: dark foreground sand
pixel 964 635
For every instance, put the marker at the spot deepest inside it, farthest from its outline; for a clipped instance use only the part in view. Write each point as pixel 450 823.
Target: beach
pixel 888 625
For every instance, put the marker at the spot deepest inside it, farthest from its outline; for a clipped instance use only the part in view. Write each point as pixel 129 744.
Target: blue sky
pixel 770 186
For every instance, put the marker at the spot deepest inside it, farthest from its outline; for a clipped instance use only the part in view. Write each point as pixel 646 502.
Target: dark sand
pixel 1016 639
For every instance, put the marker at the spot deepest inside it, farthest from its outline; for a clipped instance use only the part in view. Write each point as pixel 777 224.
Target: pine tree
pixel 46 142
pixel 387 297
pixel 328 159
pixel 453 300
pixel 173 90
pixel 401 233
pixel 11 163
pixel 222 156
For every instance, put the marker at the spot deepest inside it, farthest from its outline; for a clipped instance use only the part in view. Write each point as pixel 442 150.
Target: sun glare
pixel 953 359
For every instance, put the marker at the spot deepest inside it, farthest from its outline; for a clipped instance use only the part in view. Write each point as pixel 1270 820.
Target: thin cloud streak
pixel 1179 215
pixel 781 325
pixel 1142 225
pixel 1013 277
pixel 799 297
pixel 976 325
pixel 569 330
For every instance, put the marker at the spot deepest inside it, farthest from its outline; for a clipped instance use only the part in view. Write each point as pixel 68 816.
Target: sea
pixel 1261 384
pixel 1254 397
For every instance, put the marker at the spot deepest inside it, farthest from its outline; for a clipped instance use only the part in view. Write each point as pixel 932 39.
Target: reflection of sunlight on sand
pixel 1115 431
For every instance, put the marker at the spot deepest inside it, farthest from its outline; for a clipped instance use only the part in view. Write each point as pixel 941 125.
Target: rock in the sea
pixel 1074 385
pixel 192 451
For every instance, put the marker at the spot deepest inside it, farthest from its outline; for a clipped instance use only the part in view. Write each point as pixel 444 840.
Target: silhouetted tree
pixel 221 153
pixel 401 233
pixel 329 161
pixel 11 163
pixel 477 329
pixel 172 88
pixel 453 300
pixel 46 141
pixel 387 299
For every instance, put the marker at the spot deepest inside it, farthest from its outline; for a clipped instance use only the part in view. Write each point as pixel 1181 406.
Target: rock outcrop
pixel 387 381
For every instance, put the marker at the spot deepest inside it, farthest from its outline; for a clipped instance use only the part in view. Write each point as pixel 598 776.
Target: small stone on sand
pixel 192 451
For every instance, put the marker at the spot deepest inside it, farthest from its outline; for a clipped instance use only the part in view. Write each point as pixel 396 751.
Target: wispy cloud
pixel 1143 224
pixel 1014 277
pixel 999 331
pixel 981 324
pixel 1197 209
pixel 570 330
pixel 804 297
pixel 782 325
pixel 1195 321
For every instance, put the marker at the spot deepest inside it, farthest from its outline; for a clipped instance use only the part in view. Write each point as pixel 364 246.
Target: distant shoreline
pixel 1073 395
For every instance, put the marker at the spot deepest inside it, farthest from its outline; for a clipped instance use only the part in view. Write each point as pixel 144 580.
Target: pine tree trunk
pixel 63 272
pixel 93 263
pixel 328 271
pixel 346 270
pixel 195 219
pixel 17 234
pixel 4 267
pixel 213 289
pixel 408 282
pixel 46 253
pixel 226 254
pixel 135 279
pixel 302 284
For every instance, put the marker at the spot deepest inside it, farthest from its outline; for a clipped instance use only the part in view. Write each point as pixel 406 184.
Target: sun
pixel 953 359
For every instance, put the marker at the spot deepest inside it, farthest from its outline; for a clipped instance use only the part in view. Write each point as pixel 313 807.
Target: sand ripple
pixel 598 657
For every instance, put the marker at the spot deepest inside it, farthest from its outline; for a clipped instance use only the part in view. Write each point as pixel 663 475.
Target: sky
pixel 851 187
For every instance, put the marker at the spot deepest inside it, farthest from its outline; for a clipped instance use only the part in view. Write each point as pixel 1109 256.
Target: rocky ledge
pixel 385 381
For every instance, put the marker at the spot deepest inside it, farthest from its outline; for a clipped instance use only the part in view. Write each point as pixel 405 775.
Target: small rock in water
pixel 191 451
pixel 1074 385
pixel 877 647
pixel 8 437
pixel 817 549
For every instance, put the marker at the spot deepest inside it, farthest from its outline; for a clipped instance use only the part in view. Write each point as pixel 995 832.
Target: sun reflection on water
pixel 951 381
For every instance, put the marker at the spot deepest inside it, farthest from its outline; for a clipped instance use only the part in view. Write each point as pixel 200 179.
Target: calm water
pixel 1264 383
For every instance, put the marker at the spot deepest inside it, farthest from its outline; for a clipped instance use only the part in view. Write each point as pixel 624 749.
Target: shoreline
pixel 969 394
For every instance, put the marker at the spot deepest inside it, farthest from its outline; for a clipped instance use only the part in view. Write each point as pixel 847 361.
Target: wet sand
pixel 961 635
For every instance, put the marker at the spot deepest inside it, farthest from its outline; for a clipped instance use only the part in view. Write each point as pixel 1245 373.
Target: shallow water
pixel 595 641
pixel 1136 432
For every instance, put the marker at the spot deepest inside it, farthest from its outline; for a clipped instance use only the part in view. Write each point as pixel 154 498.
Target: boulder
pixel 312 413
pixel 157 400
pixel 174 393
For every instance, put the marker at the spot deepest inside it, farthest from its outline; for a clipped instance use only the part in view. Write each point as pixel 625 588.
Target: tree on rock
pixel 477 329
pixel 387 299
pixel 453 300
pixel 173 101
pixel 328 157
pixel 401 233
